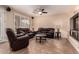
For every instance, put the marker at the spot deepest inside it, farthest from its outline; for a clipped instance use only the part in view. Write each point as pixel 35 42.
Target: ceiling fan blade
pixel 44 12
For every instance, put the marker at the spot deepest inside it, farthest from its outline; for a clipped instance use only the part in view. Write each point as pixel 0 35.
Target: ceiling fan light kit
pixel 40 11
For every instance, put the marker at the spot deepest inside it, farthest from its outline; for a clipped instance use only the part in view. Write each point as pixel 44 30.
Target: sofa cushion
pixel 20 30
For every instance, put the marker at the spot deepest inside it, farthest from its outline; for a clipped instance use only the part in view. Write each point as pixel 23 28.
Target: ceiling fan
pixel 40 11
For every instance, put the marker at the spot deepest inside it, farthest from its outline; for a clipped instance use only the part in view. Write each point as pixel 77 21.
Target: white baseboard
pixel 74 43
pixel 1 41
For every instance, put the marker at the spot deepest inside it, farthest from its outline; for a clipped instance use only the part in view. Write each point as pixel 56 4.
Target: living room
pixel 40 19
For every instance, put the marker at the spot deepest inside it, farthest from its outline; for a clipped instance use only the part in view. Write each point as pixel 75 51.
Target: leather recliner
pixel 17 42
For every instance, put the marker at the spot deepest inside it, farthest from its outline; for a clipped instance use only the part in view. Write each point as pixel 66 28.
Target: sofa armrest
pixel 23 37
pixel 21 34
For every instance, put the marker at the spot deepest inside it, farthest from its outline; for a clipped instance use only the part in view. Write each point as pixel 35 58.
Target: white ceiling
pixel 51 9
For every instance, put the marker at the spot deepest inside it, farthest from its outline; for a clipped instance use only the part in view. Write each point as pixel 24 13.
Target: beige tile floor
pixel 50 46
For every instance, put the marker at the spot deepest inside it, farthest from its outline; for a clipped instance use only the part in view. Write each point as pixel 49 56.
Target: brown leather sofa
pixel 17 42
pixel 25 31
pixel 48 31
pixel 21 30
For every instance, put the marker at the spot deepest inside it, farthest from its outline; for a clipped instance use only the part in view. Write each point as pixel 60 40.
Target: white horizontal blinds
pixel 21 22
pixel 2 26
pixel 24 23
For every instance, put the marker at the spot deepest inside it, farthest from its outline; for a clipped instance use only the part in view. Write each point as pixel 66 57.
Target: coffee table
pixel 40 37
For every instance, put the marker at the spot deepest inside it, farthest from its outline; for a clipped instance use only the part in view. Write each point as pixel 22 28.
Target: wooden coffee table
pixel 40 37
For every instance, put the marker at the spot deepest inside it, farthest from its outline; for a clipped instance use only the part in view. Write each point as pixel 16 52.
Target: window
pixel 2 26
pixel 74 26
pixel 24 23
pixel 21 22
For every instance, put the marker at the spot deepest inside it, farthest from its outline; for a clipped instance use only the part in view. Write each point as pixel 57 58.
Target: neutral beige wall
pixel 54 21
pixel 9 20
